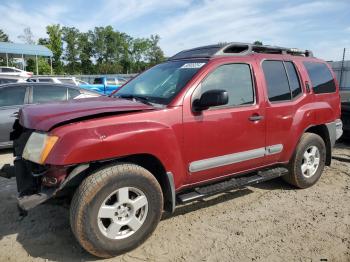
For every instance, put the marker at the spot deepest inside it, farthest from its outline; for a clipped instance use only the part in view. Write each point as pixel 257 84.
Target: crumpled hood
pixel 44 116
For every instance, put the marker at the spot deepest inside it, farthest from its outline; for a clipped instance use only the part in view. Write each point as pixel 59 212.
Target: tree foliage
pixel 27 36
pixel 55 44
pixel 4 37
pixel 102 50
pixel 70 35
pixel 44 67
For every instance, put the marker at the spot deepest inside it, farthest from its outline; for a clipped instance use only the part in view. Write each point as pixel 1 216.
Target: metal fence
pixel 342 71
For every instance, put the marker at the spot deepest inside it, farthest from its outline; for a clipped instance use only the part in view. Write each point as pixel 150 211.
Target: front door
pixel 227 139
pixel 11 99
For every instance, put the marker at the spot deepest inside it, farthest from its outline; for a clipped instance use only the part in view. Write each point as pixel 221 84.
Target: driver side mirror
pixel 210 98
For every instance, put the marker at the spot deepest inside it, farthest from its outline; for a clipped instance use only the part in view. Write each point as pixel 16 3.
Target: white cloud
pixel 222 21
pixel 117 12
pixel 184 23
pixel 14 18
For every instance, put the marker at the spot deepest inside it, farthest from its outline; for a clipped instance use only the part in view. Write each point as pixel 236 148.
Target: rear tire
pixel 116 209
pixel 307 164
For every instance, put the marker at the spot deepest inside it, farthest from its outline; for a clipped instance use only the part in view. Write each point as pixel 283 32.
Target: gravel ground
pixel 268 222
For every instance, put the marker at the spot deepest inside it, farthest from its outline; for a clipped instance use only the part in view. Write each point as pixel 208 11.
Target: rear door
pixel 285 95
pixel 11 99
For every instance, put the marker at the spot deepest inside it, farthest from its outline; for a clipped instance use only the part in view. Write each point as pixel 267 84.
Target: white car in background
pixel 13 71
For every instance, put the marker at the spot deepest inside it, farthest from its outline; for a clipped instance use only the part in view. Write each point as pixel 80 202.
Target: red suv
pixel 208 120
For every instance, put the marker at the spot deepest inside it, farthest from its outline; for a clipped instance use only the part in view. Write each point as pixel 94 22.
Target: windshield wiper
pixel 141 99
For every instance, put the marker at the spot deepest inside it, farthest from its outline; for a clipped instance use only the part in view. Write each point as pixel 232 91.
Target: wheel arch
pixel 151 163
pixel 323 132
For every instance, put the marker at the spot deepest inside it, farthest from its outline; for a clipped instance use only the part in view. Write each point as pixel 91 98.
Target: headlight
pixel 38 147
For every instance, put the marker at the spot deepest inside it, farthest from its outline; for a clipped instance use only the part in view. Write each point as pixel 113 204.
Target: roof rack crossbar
pixel 237 49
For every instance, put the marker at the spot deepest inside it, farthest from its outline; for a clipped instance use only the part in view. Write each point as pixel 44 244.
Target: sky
pixel 322 26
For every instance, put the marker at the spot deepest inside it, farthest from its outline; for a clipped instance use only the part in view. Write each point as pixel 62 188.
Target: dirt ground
pixel 268 222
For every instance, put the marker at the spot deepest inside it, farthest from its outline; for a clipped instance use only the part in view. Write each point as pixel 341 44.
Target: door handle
pixel 254 118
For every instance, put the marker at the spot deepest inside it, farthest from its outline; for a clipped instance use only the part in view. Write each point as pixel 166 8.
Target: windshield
pixel 161 83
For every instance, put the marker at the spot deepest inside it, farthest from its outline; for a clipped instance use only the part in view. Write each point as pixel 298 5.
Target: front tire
pixel 116 209
pixel 307 164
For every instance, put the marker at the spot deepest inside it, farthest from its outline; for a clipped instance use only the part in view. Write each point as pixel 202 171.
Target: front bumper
pixel 31 192
pixel 36 187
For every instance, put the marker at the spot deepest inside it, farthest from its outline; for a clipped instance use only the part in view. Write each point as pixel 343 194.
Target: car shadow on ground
pixel 45 233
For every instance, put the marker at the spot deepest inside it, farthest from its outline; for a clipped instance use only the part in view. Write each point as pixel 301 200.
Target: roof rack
pixel 237 49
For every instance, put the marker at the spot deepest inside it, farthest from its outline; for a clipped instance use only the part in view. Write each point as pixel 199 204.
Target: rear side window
pixel 236 79
pixel 293 78
pixel 321 78
pixel 276 80
pixel 13 95
pixel 46 93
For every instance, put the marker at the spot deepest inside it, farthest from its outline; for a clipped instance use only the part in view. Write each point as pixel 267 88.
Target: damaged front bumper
pixel 37 184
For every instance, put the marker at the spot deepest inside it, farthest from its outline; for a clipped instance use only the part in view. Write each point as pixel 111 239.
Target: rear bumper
pixel 335 130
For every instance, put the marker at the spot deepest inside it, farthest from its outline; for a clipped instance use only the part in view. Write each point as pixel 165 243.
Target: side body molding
pixel 218 161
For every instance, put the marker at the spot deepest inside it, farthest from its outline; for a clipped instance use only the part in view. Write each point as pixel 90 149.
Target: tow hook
pixel 7 171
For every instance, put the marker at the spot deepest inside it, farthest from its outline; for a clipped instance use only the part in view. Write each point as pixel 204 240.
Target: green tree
pixel 43 66
pixel 71 55
pixel 125 59
pixel 3 36
pixel 101 50
pixel 56 46
pixel 110 49
pixel 85 47
pixel 27 36
pixel 140 47
pixel 155 54
pixel 43 41
pixel 257 43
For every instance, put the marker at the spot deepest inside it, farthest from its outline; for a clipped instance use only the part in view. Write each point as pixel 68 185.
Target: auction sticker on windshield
pixel 193 65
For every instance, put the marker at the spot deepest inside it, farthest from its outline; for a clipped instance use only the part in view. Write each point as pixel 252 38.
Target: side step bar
pixel 233 183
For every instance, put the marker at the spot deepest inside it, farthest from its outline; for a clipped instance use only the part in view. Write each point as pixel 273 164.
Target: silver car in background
pixel 14 96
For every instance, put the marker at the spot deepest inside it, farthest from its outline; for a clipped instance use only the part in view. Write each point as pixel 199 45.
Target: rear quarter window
pixel 321 78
